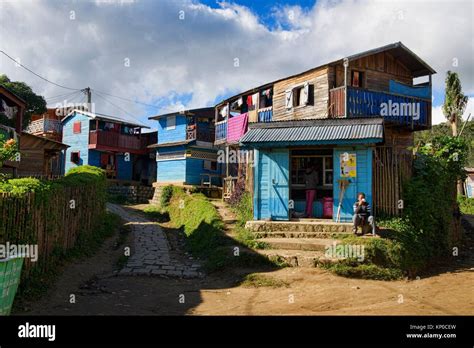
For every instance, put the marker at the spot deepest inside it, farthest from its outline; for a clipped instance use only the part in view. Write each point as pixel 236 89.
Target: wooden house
pixel 185 151
pixel 353 119
pixel 47 125
pixel 115 144
pixel 12 108
pixel 41 157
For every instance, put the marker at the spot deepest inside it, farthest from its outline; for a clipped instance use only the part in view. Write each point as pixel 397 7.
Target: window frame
pixel 168 119
pixel 74 129
pixel 78 157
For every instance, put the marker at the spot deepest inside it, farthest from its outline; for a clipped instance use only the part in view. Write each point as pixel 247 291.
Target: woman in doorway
pixel 311 183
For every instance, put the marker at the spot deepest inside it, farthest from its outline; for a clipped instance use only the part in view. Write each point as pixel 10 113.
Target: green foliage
pixel 466 205
pixel 365 271
pixel 424 233
pixel 205 239
pixel 166 194
pixel 156 214
pixel 8 149
pixel 454 101
pixel 35 104
pixel 427 136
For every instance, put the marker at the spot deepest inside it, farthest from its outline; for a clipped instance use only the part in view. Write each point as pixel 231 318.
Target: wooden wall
pixel 320 90
pixel 32 161
pixel 378 70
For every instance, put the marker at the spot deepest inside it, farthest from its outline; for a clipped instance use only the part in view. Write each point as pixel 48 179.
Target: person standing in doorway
pixel 311 183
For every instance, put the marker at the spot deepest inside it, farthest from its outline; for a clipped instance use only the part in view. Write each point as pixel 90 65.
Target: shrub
pixel 166 194
pixel 466 205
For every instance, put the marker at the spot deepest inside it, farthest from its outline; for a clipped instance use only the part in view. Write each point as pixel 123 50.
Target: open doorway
pixel 304 161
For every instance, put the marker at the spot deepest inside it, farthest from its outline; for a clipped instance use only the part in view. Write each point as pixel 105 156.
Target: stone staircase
pixel 299 243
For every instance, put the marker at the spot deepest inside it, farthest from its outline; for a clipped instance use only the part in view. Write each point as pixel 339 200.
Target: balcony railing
pixel 116 140
pixel 44 125
pixel 394 108
pixel 200 133
pixel 221 130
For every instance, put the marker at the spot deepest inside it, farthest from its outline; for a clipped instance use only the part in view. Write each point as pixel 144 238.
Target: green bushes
pixel 466 205
pixel 426 232
pixel 166 194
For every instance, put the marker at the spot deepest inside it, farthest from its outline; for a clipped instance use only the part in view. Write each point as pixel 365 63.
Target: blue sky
pixel 177 62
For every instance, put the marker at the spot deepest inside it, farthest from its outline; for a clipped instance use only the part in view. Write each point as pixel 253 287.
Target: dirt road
pixel 310 291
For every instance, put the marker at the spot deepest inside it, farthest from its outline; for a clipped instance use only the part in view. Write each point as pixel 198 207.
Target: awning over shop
pixel 314 132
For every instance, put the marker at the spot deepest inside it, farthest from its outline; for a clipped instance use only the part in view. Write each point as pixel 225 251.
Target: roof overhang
pixel 208 112
pixel 105 118
pixel 353 131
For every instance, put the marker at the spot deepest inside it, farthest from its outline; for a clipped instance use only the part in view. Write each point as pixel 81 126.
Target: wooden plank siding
pixel 377 69
pixel 318 107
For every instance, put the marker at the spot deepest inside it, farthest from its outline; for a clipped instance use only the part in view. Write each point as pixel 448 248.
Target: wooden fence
pixel 53 222
pixel 392 166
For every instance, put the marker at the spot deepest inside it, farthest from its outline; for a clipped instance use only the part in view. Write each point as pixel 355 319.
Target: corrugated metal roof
pixel 316 131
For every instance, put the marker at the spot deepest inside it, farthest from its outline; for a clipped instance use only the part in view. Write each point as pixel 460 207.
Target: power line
pixel 118 107
pixel 62 95
pixel 41 77
pixel 127 99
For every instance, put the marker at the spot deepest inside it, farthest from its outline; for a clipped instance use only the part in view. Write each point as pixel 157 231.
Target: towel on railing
pixel 237 127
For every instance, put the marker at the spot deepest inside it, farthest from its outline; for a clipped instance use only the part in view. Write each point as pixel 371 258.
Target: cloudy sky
pixel 172 54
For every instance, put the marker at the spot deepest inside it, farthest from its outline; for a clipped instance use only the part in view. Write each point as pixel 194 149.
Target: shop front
pixel 338 155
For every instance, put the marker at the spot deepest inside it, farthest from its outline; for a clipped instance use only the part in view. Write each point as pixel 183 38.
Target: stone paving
pixel 151 254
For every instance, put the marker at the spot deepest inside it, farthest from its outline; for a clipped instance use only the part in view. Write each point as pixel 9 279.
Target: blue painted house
pixel 185 151
pixel 109 142
pixel 352 119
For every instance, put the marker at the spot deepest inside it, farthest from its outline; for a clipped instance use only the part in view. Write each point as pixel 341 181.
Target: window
pixel 356 78
pixel 210 165
pixel 76 128
pixel 298 96
pixel 75 157
pixel 170 122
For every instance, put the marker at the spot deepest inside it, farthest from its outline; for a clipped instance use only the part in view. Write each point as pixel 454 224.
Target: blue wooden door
pixel 362 182
pixel 271 191
pixel 279 184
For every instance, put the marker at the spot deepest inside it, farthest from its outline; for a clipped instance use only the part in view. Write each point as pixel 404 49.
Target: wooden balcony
pixel 398 109
pixel 113 141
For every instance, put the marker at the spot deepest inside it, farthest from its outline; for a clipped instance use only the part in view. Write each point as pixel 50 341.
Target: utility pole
pixel 88 93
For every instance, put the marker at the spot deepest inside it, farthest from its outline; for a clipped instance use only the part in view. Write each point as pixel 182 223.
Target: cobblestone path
pixel 150 253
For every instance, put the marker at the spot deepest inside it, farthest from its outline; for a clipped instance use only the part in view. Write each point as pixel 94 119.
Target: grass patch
pixel 156 214
pixel 205 239
pixel 255 280
pixel 365 271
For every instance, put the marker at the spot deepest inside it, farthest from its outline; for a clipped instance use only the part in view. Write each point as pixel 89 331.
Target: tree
pixel 454 102
pixel 35 104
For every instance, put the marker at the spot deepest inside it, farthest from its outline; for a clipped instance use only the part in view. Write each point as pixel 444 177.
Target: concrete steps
pixel 298 258
pixel 286 234
pixel 308 244
pixel 299 243
pixel 323 226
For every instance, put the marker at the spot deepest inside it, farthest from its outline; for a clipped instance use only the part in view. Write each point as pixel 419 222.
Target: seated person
pixel 362 213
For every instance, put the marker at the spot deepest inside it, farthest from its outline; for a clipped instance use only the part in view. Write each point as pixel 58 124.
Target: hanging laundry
pixel 249 100
pixel 240 101
pixel 254 98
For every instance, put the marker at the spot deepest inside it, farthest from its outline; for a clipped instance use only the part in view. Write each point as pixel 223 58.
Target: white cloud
pixel 194 57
